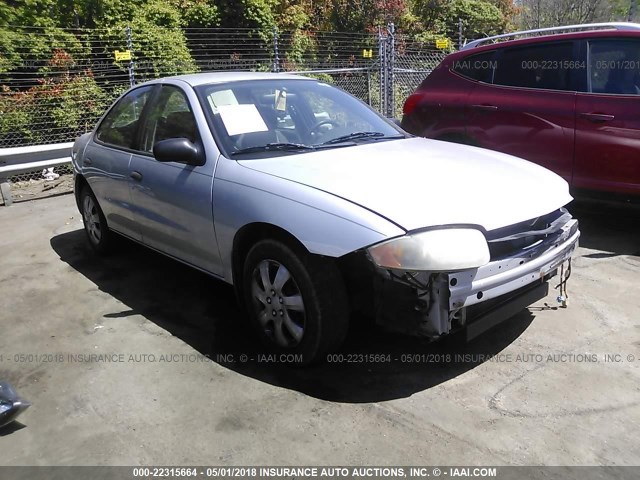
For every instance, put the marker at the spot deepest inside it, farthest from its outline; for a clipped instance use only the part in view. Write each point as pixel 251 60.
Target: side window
pixel 614 66
pixel 476 67
pixel 545 66
pixel 120 125
pixel 169 117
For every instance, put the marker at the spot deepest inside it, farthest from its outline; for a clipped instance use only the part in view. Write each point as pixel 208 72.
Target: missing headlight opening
pixel 434 303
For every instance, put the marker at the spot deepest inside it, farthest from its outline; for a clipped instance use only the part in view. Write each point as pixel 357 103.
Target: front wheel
pixel 95 224
pixel 297 302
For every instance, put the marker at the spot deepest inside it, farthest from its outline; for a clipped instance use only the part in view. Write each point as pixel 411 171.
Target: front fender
pixel 324 223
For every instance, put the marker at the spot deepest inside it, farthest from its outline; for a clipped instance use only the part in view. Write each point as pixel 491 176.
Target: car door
pixel 106 159
pixel 608 118
pixel 173 200
pixel 527 110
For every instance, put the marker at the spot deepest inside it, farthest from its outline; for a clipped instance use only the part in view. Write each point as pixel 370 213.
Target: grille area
pixel 508 241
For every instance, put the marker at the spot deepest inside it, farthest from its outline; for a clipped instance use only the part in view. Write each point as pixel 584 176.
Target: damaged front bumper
pixel 433 304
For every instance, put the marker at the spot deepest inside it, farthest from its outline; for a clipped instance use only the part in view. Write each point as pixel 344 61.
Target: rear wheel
pixel 297 302
pixel 95 224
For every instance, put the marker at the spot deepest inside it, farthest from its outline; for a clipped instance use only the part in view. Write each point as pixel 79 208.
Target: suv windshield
pixel 265 118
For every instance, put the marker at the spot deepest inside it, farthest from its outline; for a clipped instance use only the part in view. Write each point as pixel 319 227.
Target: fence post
pixel 276 56
pixel 387 53
pixel 132 79
pixel 5 191
pixel 391 71
pixel 382 52
pixel 460 34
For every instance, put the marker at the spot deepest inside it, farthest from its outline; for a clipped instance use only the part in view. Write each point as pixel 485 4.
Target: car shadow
pixel 612 229
pixel 11 428
pixel 202 312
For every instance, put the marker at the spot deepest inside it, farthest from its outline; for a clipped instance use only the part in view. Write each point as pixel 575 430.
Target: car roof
pixel 610 33
pixel 223 77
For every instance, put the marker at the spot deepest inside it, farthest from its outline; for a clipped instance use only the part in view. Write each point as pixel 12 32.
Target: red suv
pixel 568 101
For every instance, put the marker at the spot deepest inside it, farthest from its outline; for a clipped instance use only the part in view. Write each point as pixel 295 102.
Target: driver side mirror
pixel 179 150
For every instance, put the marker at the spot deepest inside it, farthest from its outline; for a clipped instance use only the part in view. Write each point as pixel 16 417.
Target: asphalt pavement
pixel 136 359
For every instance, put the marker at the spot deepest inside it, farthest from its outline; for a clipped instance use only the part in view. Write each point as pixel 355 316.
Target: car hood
pixel 417 183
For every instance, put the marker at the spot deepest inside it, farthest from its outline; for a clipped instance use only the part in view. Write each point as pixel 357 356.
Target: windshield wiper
pixel 274 147
pixel 359 135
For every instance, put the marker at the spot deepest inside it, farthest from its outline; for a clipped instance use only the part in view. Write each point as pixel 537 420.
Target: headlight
pixel 434 250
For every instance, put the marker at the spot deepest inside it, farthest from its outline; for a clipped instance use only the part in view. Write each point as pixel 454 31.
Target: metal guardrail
pixel 17 160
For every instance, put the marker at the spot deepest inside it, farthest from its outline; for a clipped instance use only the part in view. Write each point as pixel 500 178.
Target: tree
pixel 553 13
pixel 366 15
pixel 64 102
pixel 158 40
pixel 256 15
pixel 480 18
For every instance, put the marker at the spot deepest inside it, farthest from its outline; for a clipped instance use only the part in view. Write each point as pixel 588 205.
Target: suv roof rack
pixel 584 26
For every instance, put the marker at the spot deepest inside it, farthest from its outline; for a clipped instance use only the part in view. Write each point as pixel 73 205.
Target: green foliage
pixel 60 102
pixel 292 16
pixel 199 13
pixel 256 15
pixel 16 112
pixel 550 13
pixel 479 17
pixel 10 58
pixel 322 77
pixel 22 50
pixel 158 40
pixel 77 103
pixel 75 36
pixel 7 14
pixel 301 47
pixel 429 39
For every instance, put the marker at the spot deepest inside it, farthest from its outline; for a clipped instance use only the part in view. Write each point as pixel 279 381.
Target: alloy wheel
pixel 92 219
pixel 278 303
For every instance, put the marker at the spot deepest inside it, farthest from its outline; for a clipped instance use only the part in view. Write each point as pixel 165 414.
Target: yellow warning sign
pixel 122 56
pixel 442 43
pixel 367 53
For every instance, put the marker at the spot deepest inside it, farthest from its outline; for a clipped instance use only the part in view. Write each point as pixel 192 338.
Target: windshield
pixel 265 118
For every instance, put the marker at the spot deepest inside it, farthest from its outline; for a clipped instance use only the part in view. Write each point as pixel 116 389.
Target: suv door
pixel 608 118
pixel 527 109
pixel 106 160
pixel 173 200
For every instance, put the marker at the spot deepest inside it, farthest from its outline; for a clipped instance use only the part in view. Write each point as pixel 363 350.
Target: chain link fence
pixel 413 62
pixel 56 83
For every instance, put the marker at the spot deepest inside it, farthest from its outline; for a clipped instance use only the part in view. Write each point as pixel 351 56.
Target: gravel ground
pixel 40 188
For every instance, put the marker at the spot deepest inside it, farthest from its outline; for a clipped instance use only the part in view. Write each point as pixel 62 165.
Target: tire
pixel 315 318
pixel 95 223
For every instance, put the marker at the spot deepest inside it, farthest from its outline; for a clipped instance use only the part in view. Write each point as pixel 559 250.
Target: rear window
pixel 476 67
pixel 545 66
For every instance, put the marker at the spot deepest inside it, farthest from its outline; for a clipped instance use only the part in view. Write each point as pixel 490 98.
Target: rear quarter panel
pixel 442 105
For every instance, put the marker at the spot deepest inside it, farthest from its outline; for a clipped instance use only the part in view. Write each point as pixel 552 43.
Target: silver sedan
pixel 314 206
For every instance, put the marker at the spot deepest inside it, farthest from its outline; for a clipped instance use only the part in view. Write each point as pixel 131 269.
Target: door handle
pixel 137 176
pixel 597 117
pixel 87 161
pixel 485 108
